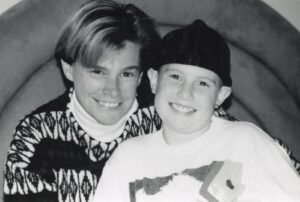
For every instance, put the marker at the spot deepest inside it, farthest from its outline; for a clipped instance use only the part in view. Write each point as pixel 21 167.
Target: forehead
pixel 102 53
pixel 190 71
pixel 127 56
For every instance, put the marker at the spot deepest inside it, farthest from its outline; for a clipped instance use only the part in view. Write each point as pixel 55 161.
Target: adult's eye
pixel 128 74
pixel 97 72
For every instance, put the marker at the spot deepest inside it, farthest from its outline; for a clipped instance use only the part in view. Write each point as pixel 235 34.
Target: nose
pixel 111 87
pixel 185 91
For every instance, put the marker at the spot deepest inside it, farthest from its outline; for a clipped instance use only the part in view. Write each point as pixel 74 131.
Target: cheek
pixel 165 87
pixel 211 102
pixel 86 84
pixel 161 101
pixel 205 98
pixel 159 106
pixel 128 87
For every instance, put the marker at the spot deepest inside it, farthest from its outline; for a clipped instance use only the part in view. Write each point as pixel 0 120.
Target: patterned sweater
pixel 51 158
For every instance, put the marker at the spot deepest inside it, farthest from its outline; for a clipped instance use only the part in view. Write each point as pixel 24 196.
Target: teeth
pixel 109 104
pixel 181 108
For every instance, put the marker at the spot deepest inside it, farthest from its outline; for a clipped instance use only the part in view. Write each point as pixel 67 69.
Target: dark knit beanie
pixel 199 45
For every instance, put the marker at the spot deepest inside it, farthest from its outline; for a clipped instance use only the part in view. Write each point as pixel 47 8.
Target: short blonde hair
pixel 99 25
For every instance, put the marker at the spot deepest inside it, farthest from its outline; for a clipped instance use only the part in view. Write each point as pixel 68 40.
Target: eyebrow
pixel 132 67
pixel 200 77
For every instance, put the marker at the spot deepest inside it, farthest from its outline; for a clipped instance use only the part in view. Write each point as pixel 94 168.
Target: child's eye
pixel 203 83
pixel 174 76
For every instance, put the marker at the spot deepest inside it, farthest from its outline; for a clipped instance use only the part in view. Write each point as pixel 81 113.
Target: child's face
pixel 186 96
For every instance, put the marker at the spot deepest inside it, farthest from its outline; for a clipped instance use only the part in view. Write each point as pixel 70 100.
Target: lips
pixel 182 108
pixel 108 104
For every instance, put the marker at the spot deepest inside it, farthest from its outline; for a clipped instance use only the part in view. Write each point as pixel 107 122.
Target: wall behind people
pixel 265 59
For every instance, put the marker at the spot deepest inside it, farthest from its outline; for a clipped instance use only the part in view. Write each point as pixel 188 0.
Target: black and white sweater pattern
pixel 51 158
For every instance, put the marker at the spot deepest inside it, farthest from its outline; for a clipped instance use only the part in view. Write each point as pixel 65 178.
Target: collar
pixel 93 128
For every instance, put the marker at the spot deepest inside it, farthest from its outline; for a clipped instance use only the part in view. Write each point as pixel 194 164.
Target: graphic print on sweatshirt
pixel 218 182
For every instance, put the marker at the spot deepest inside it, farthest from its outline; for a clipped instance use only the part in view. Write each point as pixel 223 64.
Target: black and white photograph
pixel 150 100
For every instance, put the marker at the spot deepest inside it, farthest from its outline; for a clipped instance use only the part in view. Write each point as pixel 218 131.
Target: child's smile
pixel 182 108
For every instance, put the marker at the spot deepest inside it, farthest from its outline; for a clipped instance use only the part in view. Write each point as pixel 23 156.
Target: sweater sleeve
pixel 26 180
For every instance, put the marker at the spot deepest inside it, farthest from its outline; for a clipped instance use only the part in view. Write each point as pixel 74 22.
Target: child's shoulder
pixel 244 126
pixel 139 142
pixel 241 129
pixel 133 148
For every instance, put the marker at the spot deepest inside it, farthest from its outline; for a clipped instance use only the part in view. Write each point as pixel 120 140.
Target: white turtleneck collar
pixel 95 129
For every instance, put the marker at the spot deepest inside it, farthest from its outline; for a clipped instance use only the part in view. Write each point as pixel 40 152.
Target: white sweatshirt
pixel 232 161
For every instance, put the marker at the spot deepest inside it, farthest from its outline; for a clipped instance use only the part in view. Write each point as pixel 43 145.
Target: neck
pixel 173 137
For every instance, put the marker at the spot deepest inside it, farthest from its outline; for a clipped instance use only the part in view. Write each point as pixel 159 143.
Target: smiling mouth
pixel 181 108
pixel 108 104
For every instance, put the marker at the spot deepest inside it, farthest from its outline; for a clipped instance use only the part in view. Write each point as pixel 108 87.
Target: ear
pixel 223 94
pixel 153 77
pixel 68 70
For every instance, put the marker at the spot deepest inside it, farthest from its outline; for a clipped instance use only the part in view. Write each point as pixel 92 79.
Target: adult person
pixel 58 151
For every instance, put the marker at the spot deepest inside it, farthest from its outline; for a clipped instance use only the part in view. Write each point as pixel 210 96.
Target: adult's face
pixel 107 91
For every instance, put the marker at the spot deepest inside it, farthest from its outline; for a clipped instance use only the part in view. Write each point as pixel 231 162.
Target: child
pixel 197 156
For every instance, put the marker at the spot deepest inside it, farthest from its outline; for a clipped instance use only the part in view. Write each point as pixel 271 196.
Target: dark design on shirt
pixel 195 183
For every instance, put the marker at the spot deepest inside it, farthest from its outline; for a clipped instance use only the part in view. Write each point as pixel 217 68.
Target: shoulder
pixel 45 114
pixel 57 104
pixel 138 143
pixel 241 126
pixel 145 120
pixel 134 148
pixel 147 113
pixel 242 130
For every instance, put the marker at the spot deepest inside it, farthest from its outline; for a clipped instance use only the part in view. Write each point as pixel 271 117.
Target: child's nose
pixel 185 91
